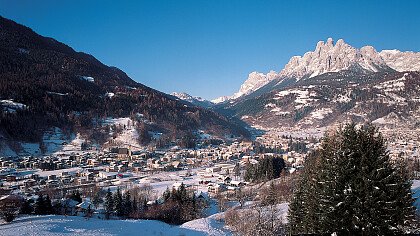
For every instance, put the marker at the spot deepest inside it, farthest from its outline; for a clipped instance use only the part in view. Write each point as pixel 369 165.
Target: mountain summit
pixel 332 57
pixel 255 81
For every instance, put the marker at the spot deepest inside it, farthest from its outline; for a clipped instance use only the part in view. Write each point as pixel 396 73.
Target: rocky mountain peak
pixel 332 57
pixel 255 81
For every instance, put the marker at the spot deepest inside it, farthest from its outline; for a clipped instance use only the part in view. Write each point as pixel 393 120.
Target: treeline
pixel 43 205
pixel 178 207
pixel 298 145
pixel 267 168
pixel 175 206
pixel 119 204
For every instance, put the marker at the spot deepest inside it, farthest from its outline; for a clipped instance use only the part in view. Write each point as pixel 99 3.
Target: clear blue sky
pixel 207 48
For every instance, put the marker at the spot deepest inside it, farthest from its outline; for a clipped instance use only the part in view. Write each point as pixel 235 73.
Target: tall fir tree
pixel 109 204
pixel 127 205
pixel 76 196
pixel 118 203
pixel 40 205
pixel 48 205
pixel 267 168
pixel 26 207
pixel 97 199
pixel 167 194
pixel 135 207
pixel 352 188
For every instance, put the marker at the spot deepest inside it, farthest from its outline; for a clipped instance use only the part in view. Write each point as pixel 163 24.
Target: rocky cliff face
pixel 332 84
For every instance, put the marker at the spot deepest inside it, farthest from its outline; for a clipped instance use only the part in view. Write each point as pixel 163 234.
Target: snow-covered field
pixel 163 180
pixel 55 142
pixel 212 225
pixel 74 225
pixel 129 134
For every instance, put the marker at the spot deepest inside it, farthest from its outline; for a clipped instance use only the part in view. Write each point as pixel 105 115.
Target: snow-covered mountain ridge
pixel 186 96
pixel 197 101
pixel 401 61
pixel 330 57
pixel 255 81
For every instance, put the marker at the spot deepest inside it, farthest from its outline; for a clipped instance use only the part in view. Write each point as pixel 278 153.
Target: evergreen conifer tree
pixel 127 206
pixel 167 194
pixel 135 206
pixel 26 207
pixel 182 192
pixel 352 187
pixel 118 203
pixel 97 199
pixel 109 204
pixel 271 198
pixel 48 205
pixel 76 196
pixel 40 205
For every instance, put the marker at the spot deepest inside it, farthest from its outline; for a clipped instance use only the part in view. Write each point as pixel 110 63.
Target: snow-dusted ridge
pixel 186 96
pixel 401 61
pixel 255 81
pixel 198 101
pixel 220 99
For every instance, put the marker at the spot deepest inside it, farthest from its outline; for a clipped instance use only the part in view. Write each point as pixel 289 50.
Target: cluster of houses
pixel 406 149
pixel 221 177
pixel 64 173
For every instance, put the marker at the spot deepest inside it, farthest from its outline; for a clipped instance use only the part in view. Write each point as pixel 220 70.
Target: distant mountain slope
pixel 58 87
pixel 197 101
pixel 391 99
pixel 336 83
